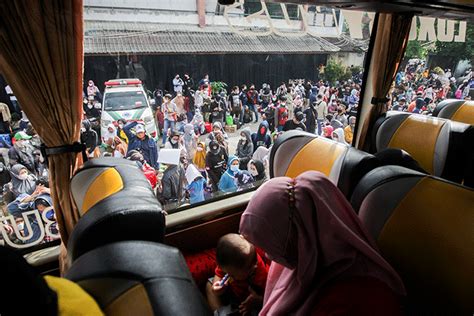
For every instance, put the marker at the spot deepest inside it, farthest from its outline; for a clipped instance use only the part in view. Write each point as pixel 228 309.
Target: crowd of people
pixel 418 89
pixel 197 119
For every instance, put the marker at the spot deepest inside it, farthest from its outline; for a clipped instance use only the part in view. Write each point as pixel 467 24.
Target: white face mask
pixel 90 106
pixel 199 149
pixel 234 168
pixel 243 138
pixel 173 141
pixel 23 176
pixel 83 130
pixel 21 226
pixel 121 126
pixel 254 172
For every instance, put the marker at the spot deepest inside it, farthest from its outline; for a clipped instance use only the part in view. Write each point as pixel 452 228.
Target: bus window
pixel 222 83
pixel 435 67
pixel 218 84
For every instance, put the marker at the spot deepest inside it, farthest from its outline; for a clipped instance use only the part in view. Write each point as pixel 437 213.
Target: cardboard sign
pixel 169 156
pixel 192 173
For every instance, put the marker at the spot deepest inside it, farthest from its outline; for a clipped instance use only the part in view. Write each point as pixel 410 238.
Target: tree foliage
pixel 334 71
pixel 458 50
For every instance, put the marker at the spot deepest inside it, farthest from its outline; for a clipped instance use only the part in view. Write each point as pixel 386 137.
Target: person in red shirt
pixel 240 276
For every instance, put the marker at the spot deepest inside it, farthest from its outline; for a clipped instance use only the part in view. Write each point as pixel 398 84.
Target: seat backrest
pixel 138 278
pixel 295 152
pixel 116 202
pixel 424 227
pixel 456 110
pixel 438 145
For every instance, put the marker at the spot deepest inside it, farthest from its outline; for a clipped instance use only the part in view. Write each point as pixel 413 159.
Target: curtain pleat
pixel 41 57
pixel 389 47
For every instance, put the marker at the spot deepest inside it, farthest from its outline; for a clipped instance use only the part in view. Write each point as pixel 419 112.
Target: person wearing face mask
pixel 199 159
pixel 93 90
pixel 90 110
pixel 22 185
pixel 244 148
pixel 90 139
pixel 341 115
pixel 22 152
pixel 190 141
pixel 257 170
pixel 216 160
pixel 261 137
pixel 228 181
pixel 175 141
pixel 349 130
pixel 120 132
pixel 141 142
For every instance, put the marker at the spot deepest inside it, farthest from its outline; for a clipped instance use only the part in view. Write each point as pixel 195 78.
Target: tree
pixel 458 51
pixel 335 71
pixel 415 50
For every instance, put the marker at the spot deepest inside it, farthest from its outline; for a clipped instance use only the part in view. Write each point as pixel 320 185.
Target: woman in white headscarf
pixel 338 136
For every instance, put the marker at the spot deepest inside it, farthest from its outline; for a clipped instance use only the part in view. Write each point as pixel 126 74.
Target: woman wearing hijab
pixel 244 149
pixel 216 159
pixel 190 141
pixel 324 261
pixel 327 131
pixel 338 136
pixel 262 137
pixel 199 159
pixel 228 181
pixel 90 139
pixel 257 170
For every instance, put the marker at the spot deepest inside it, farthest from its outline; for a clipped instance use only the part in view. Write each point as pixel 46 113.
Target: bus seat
pixel 116 202
pixel 423 226
pixel 138 278
pixel 461 111
pixel 438 145
pixel 456 110
pixel 295 152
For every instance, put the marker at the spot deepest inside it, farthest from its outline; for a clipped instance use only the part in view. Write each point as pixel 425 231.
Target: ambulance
pixel 126 99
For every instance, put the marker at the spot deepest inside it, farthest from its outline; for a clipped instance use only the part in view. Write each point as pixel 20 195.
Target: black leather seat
pixel 116 202
pixel 138 278
pixel 295 152
pixel 423 226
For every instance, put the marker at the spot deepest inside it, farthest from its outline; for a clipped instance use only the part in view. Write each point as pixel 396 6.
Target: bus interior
pixel 409 178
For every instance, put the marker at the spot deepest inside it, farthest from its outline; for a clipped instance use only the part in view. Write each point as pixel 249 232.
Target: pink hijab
pixel 312 234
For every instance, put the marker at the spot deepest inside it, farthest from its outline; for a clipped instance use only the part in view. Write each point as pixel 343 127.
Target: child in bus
pixel 240 276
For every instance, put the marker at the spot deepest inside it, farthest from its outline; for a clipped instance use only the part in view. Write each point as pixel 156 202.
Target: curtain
pixel 389 46
pixel 41 57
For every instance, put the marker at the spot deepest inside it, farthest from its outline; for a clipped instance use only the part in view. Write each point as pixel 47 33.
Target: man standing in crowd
pixel 142 143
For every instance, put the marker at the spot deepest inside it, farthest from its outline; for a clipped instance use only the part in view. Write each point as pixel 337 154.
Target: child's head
pixel 236 256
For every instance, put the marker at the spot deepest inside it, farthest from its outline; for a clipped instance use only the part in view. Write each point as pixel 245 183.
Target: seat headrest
pixel 116 202
pixel 138 278
pixel 425 138
pixel 423 226
pixel 456 110
pixel 296 152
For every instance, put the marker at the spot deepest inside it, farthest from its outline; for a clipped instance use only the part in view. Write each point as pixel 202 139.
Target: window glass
pixel 215 84
pixel 437 66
